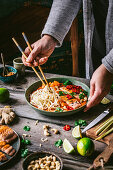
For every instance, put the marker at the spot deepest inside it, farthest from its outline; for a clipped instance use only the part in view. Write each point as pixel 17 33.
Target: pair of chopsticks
pixel 21 50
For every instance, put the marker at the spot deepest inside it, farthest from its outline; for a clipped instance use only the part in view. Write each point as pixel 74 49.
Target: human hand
pixel 42 49
pixel 100 84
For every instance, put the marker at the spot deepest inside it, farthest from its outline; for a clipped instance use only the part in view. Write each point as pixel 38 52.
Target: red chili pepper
pixel 74 90
pixel 69 108
pixel 69 87
pixel 69 96
pixel 67 128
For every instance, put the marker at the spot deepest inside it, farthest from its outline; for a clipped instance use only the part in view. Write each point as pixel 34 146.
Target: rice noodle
pixel 44 99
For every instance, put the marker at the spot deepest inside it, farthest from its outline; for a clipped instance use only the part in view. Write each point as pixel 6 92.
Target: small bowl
pixel 38 155
pixel 8 78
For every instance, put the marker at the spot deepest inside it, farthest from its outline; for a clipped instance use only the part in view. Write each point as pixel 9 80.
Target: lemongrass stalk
pixel 105 134
pixel 104 126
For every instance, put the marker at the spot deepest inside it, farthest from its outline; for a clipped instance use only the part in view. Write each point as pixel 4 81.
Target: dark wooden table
pixel 27 116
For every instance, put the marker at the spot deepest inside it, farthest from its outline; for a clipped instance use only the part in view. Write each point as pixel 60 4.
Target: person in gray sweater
pixel 98 33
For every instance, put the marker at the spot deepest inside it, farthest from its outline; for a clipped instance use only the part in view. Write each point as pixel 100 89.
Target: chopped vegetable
pixel 61 93
pixel 58 143
pixel 67 128
pixel 69 108
pixel 85 92
pixel 26 128
pixel 72 94
pixel 69 96
pixel 67 82
pixel 58 109
pixel 81 95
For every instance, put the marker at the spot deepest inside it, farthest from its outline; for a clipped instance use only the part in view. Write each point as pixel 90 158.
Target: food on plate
pixel 7 134
pixel 4 95
pixel 9 74
pixel 62 97
pixel 85 146
pixel 8 149
pixel 2 157
pixel 47 162
pixel 7 115
pixel 68 148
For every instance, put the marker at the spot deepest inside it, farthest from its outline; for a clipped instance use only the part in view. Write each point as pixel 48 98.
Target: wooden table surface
pixel 18 102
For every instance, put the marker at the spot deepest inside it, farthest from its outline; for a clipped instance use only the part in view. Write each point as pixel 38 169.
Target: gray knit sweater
pixel 59 22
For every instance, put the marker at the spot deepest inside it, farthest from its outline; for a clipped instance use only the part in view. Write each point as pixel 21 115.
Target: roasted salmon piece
pixel 2 157
pixel 8 149
pixel 7 134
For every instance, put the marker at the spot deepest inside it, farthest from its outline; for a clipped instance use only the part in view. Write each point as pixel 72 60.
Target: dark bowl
pixel 8 78
pixel 35 86
pixel 38 155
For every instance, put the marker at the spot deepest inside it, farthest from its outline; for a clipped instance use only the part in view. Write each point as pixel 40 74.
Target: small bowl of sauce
pixel 10 76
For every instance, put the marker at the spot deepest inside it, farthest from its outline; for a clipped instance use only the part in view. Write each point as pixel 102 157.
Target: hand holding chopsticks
pixel 27 42
pixel 21 50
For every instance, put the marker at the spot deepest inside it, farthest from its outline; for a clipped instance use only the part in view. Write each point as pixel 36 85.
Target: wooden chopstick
pixel 27 42
pixel 26 58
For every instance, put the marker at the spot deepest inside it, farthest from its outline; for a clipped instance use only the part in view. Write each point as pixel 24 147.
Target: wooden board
pixel 91 132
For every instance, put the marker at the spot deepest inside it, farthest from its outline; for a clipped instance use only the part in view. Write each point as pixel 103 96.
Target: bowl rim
pixel 42 152
pixel 17 62
pixel 58 113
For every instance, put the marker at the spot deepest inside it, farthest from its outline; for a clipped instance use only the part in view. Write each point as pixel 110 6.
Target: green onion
pixel 61 93
pixel 85 92
pixel 67 82
pixel 81 96
pixel 58 109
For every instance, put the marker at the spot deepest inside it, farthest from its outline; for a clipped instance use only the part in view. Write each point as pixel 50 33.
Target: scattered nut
pixel 36 122
pixel 44 140
pixel 40 145
pixel 46 127
pixel 55 131
pixel 46 132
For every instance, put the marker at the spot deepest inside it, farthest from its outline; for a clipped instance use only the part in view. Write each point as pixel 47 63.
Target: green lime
pixel 76 132
pixel 105 101
pixel 85 146
pixel 68 148
pixel 4 95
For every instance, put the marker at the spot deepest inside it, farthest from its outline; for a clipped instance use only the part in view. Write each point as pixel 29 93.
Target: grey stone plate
pixel 16 145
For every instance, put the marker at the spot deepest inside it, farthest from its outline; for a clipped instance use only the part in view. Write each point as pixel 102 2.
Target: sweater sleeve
pixel 108 61
pixel 61 15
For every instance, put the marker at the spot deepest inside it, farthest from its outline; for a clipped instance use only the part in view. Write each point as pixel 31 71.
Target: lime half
pixel 76 132
pixel 68 148
pixel 105 101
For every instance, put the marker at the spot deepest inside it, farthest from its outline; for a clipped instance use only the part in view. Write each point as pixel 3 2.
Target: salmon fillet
pixel 2 157
pixel 8 149
pixel 7 134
